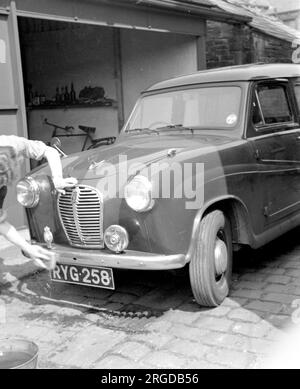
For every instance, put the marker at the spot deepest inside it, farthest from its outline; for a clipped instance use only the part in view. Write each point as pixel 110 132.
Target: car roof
pixel 232 73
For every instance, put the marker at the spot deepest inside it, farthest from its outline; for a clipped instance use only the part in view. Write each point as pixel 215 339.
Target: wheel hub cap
pixel 221 257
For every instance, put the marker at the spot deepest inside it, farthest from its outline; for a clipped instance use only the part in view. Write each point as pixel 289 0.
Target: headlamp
pixel 28 192
pixel 138 194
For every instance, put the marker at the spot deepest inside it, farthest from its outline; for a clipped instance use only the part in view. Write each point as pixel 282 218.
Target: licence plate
pixel 99 277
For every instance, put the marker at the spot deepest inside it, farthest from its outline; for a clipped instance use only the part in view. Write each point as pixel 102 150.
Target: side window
pixel 297 93
pixel 271 105
pixel 257 118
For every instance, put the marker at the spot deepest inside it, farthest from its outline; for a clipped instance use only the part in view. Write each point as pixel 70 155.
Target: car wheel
pixel 211 263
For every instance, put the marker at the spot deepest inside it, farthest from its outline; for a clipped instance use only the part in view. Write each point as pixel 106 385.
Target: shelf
pixel 72 106
pixel 8 107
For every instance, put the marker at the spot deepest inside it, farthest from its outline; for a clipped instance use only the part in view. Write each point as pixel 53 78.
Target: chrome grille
pixel 81 214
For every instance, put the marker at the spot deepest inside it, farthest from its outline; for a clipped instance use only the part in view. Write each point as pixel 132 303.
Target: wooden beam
pixel 118 76
pixel 201 52
pixel 17 70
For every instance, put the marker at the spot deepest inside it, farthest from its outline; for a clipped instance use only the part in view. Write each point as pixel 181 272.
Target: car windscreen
pixel 215 107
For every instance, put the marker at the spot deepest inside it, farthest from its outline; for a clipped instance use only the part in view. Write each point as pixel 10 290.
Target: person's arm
pixel 36 253
pixel 38 150
pixel 54 162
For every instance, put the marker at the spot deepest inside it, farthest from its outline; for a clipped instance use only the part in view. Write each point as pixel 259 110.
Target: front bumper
pixel 135 260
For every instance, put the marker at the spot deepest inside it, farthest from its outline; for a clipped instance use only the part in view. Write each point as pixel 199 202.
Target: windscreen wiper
pixel 176 127
pixel 146 130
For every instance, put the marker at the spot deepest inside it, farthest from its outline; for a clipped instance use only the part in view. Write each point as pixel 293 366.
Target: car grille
pixel 81 214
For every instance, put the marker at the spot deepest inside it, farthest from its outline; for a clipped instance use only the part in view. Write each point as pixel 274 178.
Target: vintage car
pixel 206 163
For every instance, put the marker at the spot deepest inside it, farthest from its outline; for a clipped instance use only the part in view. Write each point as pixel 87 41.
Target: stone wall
pixel 230 44
pixel 269 49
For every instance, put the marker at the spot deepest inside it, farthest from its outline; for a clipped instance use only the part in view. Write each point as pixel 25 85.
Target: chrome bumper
pixel 137 260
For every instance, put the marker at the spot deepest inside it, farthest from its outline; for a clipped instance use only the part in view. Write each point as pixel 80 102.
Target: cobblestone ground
pixel 151 320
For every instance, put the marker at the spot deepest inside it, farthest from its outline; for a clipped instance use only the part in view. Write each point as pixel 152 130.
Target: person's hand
pixel 61 183
pixel 38 255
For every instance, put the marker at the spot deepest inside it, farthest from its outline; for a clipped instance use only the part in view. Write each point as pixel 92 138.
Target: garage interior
pixel 79 74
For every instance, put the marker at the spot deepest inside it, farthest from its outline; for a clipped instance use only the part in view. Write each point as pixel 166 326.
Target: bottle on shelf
pixel 62 95
pixel 57 96
pixel 42 98
pixel 66 95
pixel 36 99
pixel 30 95
pixel 72 93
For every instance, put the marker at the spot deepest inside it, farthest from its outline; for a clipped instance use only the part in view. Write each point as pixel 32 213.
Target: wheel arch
pixel 236 211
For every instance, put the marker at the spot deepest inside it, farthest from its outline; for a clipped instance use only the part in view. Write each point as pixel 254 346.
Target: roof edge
pixel 212 13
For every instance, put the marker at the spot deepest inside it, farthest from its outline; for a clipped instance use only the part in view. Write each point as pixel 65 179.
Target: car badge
pixel 75 195
pixel 48 237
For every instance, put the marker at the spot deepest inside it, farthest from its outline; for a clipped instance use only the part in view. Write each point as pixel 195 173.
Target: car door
pixel 274 133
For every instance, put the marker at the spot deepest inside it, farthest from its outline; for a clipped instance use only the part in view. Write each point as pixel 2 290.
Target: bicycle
pixel 87 133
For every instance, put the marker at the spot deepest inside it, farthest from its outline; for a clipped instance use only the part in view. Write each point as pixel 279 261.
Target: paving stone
pixel 214 323
pixel 165 360
pixel 260 346
pixel 186 332
pixel 253 277
pixel 156 340
pixel 291 264
pixel 159 325
pixel 256 330
pixel 247 293
pixel 187 348
pixel 115 362
pixel 183 317
pixel 219 311
pixel 264 306
pixel 204 364
pixel 279 297
pixel 86 347
pixel 282 289
pixel 278 279
pixel 238 342
pixel 244 314
pixel 257 285
pixel 93 317
pixel 26 331
pixel 233 341
pixel 132 350
pixel 231 358
pixel 280 321
pixel 234 302
pixel 293 272
pixel 275 334
pixel 272 270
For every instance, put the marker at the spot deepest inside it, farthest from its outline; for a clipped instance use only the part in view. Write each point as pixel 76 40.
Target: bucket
pixel 18 354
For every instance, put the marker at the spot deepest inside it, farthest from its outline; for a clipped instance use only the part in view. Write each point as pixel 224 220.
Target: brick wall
pixel 268 49
pixel 229 44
